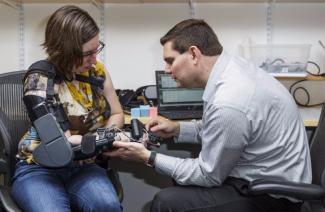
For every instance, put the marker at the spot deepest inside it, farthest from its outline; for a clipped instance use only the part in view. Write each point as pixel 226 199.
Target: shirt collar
pixel 214 75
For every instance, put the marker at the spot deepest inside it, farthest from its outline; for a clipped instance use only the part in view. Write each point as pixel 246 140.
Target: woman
pixel 72 43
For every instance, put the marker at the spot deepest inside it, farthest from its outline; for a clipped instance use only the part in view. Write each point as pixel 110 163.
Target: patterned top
pixel 86 107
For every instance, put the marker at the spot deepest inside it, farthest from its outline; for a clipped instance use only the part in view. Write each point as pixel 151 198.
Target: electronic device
pixel 176 102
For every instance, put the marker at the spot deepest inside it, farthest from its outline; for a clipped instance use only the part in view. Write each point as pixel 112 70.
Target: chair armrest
pixel 3 166
pixel 6 201
pixel 5 138
pixel 301 191
pixel 115 179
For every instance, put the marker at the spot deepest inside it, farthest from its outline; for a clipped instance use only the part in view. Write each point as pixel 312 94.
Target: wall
pixel 133 52
pixel 132 32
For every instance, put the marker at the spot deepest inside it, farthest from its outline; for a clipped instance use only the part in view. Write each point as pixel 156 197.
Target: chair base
pixel 7 202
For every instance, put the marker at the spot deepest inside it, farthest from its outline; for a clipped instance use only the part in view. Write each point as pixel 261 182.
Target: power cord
pixel 293 90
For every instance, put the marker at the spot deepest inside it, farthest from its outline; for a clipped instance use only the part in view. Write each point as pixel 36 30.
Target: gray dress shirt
pixel 251 129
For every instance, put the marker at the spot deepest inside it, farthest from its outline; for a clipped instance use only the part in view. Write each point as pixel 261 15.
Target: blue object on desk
pixel 135 112
pixel 144 110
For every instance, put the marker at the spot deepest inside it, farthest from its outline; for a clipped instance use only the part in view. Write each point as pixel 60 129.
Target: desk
pixel 308 77
pixel 127 119
pixel 309 115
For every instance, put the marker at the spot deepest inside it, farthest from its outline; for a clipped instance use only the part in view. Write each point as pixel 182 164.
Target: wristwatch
pixel 152 158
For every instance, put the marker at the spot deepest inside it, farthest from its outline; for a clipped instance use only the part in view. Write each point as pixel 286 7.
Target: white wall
pixel 133 51
pixel 132 32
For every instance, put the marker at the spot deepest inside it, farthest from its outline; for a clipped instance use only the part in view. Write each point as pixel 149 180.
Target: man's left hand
pixel 129 151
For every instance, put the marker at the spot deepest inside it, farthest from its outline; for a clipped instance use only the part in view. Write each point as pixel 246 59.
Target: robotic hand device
pixel 90 147
pixel 138 132
pixel 56 151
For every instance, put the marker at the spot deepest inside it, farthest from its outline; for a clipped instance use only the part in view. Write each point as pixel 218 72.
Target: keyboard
pixel 182 114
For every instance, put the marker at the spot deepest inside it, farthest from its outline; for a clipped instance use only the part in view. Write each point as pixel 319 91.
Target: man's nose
pixel 168 68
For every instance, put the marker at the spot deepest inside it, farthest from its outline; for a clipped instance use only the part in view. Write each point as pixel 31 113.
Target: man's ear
pixel 195 54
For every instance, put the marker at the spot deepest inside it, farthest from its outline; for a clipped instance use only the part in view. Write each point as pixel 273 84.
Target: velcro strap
pixel 88 145
pixel 95 81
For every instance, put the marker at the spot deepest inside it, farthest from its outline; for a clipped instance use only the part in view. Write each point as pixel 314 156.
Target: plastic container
pixel 280 60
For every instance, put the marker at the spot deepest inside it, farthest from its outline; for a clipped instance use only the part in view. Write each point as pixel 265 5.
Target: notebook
pixel 177 103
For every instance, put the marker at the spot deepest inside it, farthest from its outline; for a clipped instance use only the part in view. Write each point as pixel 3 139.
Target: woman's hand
pixel 75 139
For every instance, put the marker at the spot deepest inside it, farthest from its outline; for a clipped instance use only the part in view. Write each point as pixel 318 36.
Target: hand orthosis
pixel 56 151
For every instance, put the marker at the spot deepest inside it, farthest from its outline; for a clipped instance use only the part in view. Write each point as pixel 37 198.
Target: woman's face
pixel 90 51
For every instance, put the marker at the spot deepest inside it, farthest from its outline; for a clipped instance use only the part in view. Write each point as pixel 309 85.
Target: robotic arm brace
pixel 55 150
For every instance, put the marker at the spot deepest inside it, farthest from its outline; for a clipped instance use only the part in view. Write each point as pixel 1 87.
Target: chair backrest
pixel 14 120
pixel 317 149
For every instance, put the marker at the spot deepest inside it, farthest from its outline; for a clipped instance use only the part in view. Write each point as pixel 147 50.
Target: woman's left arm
pixel 117 116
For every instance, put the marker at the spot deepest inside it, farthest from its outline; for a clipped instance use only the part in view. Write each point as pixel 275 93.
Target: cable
pixel 294 91
pixel 124 133
pixel 318 69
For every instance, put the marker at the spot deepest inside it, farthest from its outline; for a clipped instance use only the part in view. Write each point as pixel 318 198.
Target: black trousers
pixel 230 197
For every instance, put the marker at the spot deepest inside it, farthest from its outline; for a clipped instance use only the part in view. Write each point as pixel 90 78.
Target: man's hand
pixel 132 151
pixel 163 127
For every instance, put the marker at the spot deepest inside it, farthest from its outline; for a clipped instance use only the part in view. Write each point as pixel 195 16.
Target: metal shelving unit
pixel 170 1
pixel 100 4
pixel 19 6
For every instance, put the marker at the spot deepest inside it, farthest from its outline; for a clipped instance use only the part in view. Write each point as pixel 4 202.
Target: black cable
pixel 294 91
pixel 318 69
pixel 308 96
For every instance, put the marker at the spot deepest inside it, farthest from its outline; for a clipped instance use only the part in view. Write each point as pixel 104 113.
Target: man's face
pixel 179 66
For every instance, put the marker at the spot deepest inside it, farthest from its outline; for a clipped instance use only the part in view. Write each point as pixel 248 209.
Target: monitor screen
pixel 170 94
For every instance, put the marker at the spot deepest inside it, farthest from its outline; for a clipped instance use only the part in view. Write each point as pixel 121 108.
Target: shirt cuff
pixel 187 133
pixel 165 164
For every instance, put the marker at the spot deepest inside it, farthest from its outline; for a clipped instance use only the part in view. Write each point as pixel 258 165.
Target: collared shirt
pixel 251 129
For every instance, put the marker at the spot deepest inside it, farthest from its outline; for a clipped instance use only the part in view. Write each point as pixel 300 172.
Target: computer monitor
pixel 173 98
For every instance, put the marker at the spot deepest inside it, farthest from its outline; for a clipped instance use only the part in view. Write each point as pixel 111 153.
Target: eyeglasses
pixel 97 51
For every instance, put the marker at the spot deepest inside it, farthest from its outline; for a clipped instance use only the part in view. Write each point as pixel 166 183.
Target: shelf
pixel 308 77
pixel 171 1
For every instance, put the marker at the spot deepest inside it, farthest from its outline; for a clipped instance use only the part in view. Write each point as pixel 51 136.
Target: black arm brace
pixel 55 150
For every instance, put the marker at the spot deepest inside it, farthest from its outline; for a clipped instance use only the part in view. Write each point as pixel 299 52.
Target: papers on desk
pixel 290 74
pixel 310 115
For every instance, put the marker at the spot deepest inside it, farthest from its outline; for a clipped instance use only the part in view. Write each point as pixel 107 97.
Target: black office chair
pixel 14 122
pixel 313 194
pixel 150 94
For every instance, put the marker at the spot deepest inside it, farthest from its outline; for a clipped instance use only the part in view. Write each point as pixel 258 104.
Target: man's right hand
pixel 163 127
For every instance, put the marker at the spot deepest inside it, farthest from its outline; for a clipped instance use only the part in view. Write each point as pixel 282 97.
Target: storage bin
pixel 279 60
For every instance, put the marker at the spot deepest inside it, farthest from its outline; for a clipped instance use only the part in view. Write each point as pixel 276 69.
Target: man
pixel 251 129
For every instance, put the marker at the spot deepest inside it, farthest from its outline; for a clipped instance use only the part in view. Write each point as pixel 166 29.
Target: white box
pixel 279 60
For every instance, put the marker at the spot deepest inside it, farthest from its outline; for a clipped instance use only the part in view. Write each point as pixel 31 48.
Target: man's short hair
pixel 193 32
